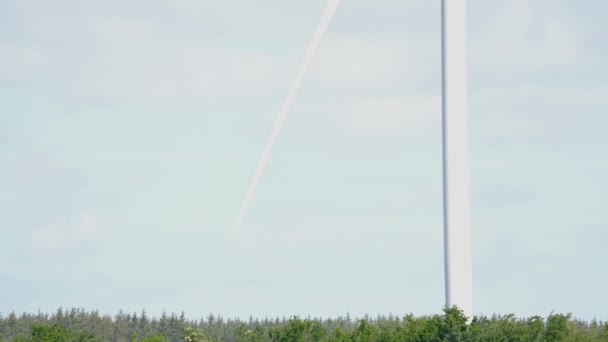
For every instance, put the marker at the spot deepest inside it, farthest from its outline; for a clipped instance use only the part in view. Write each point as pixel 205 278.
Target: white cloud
pixel 64 234
pixel 135 59
pixel 148 68
pixel 548 163
pixel 542 116
pixel 339 231
pixel 36 170
pixel 385 117
pixel 120 29
pixel 18 62
pixel 522 38
pixel 501 195
pixel 178 73
pixel 346 62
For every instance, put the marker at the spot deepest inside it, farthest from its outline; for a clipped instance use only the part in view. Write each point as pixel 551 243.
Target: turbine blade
pixel 328 14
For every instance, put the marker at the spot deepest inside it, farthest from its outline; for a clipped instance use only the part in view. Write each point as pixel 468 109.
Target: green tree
pixel 298 330
pixel 454 327
pixel 557 328
pixel 364 332
pixel 155 338
pixel 244 334
pixel 339 335
pixel 58 333
pixel 192 334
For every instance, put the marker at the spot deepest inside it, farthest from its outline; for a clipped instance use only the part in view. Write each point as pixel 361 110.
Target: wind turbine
pixel 456 198
pixel 456 207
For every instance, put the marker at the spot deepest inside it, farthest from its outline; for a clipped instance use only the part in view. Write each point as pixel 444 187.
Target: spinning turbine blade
pixel 328 14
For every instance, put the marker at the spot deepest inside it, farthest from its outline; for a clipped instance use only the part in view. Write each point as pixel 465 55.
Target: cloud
pixel 130 59
pixel 18 62
pixel 36 170
pixel 343 230
pixel 534 85
pixel 177 73
pixel 134 58
pixel 386 117
pixel 559 164
pixel 536 116
pixel 349 62
pixel 498 196
pixel 63 235
pixel 152 69
pixel 522 39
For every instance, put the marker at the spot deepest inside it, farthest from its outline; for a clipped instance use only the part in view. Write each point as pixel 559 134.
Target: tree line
pixel 78 325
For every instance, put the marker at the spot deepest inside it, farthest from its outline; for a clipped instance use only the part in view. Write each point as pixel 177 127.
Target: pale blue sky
pixel 129 132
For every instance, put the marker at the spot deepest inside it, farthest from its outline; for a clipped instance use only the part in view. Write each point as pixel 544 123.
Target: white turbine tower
pixel 456 198
pixel 457 235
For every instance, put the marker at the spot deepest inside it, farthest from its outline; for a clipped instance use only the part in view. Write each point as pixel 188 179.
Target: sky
pixel 129 132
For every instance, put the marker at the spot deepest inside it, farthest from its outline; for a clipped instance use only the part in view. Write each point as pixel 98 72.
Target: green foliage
pixel 21 338
pixel 364 332
pixel 245 334
pixel 299 330
pixel 603 335
pixel 506 328
pixel 453 327
pixel 194 335
pixel 557 328
pixel 49 333
pixel 56 333
pixel 153 338
pixel 340 335
pixel 76 325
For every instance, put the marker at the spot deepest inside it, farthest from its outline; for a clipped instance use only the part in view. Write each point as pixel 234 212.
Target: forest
pixel 78 325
